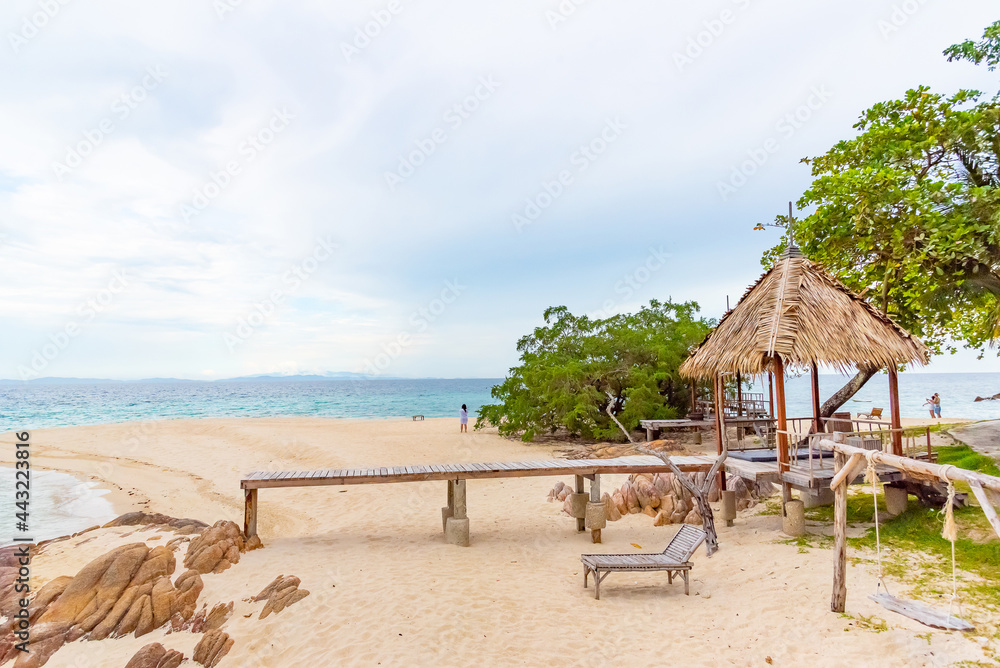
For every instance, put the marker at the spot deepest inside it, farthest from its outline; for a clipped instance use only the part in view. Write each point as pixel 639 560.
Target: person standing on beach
pixel 934 405
pixel 463 418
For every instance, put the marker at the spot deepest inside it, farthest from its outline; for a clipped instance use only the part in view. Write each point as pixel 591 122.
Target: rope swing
pixel 912 609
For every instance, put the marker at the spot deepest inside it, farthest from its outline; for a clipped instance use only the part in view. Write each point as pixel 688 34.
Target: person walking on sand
pixel 463 418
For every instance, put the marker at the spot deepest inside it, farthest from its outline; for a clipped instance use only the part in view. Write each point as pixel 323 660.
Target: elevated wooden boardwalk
pixel 455 522
pixel 470 471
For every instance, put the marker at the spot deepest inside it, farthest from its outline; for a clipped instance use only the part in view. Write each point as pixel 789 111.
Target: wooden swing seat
pixel 922 613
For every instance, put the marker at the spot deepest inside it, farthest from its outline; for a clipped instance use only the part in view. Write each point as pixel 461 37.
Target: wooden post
pixel 595 497
pixel 894 418
pixel 770 391
pixel 779 382
pixel 817 426
pixel 930 453
pixel 739 395
pixel 250 513
pixel 839 598
pixel 581 523
pixel 720 426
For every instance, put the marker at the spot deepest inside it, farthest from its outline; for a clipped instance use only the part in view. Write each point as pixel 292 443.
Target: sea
pixel 41 405
pixel 958 392
pixel 61 504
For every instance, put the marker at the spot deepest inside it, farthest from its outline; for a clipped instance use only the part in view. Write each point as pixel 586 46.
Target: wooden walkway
pixel 385 474
pixel 455 521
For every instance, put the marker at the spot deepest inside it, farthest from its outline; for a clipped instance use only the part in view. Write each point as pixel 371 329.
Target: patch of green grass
pixel 865 623
pixel 770 506
pixel 965 457
pixel 809 541
pixel 935 428
pixel 860 509
pixel 919 528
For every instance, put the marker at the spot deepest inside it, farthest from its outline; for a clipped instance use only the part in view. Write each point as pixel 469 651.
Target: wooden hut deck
pixel 798 475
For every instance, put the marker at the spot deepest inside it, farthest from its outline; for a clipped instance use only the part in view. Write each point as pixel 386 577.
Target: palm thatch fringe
pixel 800 312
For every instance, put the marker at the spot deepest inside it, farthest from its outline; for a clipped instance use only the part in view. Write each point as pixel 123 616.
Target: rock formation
pixel 127 590
pixel 139 518
pixel 206 620
pixel 218 548
pixel 281 593
pixel 660 496
pixel 212 647
pixel 155 655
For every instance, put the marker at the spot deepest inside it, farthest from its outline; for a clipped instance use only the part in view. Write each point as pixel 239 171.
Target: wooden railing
pixel 799 437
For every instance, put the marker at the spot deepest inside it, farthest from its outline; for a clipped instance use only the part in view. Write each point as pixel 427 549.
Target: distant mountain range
pixel 262 378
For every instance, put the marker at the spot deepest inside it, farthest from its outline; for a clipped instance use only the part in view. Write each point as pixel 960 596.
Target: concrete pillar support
pixel 456 527
pixel 729 506
pixel 896 500
pixel 794 521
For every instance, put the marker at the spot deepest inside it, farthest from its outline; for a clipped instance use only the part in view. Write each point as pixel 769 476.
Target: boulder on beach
pixel 212 647
pixel 139 518
pixel 124 591
pixel 216 549
pixel 281 593
pixel 663 497
pixel 155 655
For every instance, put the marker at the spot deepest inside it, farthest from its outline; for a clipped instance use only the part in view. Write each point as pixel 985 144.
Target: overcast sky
pixel 213 188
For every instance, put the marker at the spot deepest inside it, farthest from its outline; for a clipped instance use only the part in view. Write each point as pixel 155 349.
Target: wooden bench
pixel 418 417
pixel 675 560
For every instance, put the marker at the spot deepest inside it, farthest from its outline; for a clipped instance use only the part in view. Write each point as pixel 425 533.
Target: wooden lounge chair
pixel 875 414
pixel 675 560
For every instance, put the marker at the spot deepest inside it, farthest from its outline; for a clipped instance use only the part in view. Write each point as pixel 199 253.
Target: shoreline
pixel 124 498
pixel 386 587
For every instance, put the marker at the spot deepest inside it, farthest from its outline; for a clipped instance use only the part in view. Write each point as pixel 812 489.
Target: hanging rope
pixel 871 476
pixel 950 533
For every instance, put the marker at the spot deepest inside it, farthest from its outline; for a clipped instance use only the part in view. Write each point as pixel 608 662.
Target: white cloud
pixel 323 175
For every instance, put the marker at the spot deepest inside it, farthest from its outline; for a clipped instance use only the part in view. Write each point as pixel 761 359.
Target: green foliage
pixel 570 366
pixel 907 213
pixel 986 51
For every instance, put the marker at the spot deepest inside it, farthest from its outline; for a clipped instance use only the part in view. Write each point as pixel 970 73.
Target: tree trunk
pixel 841 396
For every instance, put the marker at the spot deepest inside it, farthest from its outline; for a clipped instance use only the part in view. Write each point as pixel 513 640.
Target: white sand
pixel 386 588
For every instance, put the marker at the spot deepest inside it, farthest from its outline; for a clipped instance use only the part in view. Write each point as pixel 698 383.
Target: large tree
pixel 908 213
pixel 574 368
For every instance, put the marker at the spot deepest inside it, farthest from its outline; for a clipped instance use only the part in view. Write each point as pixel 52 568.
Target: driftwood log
pixel 699 494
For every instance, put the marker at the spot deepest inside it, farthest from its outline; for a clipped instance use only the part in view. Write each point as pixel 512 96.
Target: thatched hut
pixel 798 316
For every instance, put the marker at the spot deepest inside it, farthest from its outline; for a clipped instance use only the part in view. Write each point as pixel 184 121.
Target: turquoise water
pixel 61 504
pixel 32 405
pixel 958 392
pixel 35 405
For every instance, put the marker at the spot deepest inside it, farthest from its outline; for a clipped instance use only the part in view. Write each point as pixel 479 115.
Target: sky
pixel 215 188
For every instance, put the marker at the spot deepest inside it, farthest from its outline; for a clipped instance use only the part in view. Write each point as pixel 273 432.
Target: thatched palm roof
pixel 800 312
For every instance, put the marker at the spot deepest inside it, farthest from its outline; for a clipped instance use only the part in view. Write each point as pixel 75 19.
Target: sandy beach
pixel 385 588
